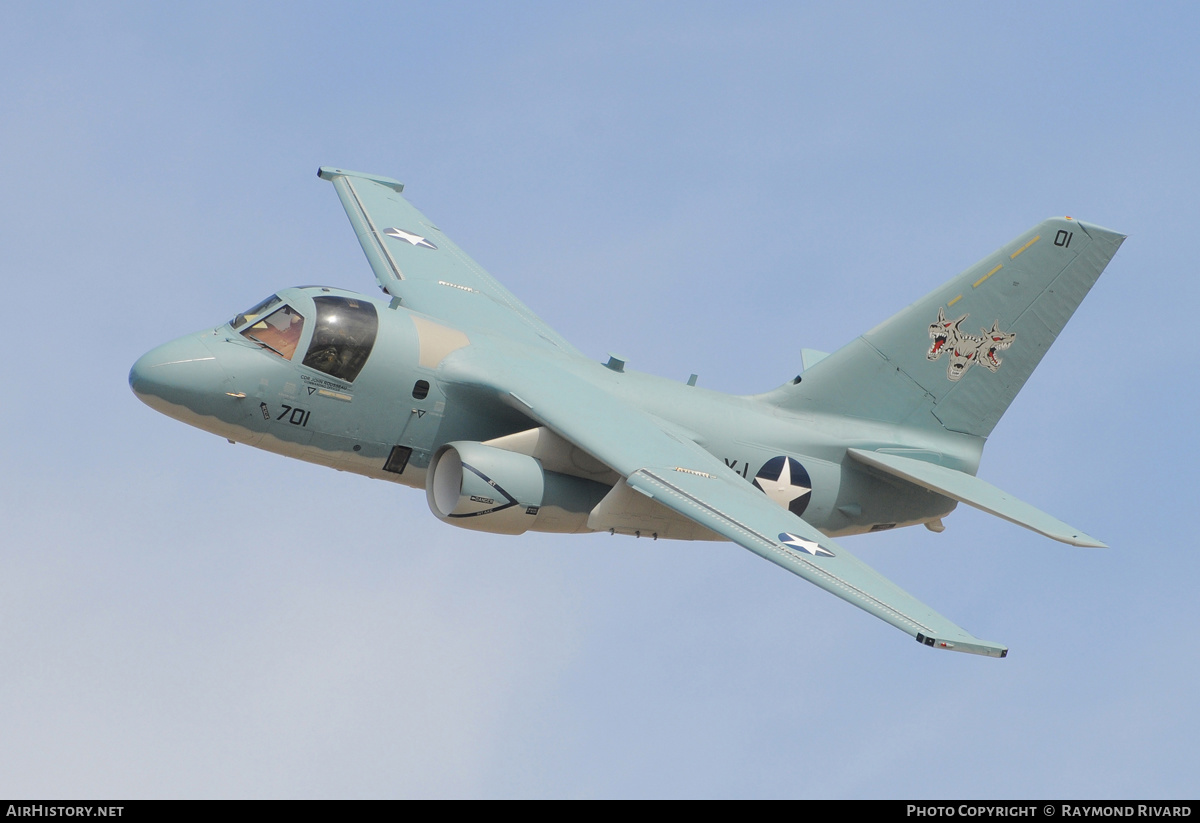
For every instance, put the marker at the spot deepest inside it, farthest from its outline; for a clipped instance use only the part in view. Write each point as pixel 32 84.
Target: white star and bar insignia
pixel 409 237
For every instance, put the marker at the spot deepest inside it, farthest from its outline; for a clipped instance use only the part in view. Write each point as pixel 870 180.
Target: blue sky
pixel 700 187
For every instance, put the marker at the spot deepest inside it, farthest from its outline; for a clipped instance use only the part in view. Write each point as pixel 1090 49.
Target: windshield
pixel 343 338
pixel 256 312
pixel 279 331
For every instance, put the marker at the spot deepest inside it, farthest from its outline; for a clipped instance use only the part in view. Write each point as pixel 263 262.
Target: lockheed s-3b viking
pixel 449 383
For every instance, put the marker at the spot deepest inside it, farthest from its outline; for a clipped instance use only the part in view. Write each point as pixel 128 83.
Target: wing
pixel 415 262
pixel 678 473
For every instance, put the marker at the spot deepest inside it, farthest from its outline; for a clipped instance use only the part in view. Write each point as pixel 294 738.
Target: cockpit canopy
pixel 273 325
pixel 343 332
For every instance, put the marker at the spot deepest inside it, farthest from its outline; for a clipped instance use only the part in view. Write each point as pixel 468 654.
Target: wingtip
pixel 330 172
pixel 1076 538
pixel 981 647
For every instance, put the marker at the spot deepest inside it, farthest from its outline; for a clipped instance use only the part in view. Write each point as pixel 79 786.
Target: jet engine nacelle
pixel 474 486
pixel 480 487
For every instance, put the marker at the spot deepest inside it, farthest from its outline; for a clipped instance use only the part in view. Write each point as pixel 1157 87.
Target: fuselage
pixel 354 383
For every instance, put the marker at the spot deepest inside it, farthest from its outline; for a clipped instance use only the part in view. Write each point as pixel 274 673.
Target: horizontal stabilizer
pixel 971 490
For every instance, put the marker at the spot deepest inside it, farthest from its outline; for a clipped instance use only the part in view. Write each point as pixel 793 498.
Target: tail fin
pixel 957 357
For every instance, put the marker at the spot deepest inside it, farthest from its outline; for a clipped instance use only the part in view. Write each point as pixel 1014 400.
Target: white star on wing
pixel 409 237
pixel 806 546
pixel 782 491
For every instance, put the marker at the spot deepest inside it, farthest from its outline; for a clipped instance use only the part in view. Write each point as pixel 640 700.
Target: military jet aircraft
pixel 451 384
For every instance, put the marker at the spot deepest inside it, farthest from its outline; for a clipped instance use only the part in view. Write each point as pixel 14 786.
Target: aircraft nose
pixel 183 372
